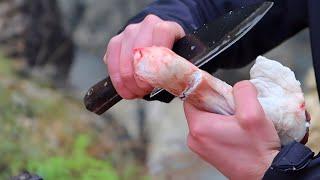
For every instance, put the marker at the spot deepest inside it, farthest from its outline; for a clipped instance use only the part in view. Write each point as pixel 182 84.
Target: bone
pixel 279 93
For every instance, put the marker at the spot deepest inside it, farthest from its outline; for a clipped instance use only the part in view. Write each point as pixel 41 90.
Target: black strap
pixel 314 16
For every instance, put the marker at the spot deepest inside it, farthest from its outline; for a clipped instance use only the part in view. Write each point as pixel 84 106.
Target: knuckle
pixel 250 118
pixel 196 130
pixel 245 116
pixel 151 18
pixel 130 29
pixel 114 40
pixel 163 27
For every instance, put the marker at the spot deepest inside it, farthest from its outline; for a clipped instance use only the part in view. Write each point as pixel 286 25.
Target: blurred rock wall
pixel 33 30
pixel 94 22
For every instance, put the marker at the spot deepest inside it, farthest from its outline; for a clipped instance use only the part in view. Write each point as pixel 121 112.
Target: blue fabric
pixel 314 14
pixel 295 161
pixel 284 20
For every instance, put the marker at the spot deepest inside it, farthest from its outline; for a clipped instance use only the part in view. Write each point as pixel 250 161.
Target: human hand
pixel 119 56
pixel 241 146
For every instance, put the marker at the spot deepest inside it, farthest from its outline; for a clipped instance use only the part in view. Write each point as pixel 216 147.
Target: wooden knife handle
pixel 101 97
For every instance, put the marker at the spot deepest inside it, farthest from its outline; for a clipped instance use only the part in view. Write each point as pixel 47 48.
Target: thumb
pixel 248 109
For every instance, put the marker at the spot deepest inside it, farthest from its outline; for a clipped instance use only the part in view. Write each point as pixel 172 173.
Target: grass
pixel 5 65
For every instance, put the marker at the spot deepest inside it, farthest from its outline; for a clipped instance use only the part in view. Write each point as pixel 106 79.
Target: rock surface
pixel 94 22
pixel 33 31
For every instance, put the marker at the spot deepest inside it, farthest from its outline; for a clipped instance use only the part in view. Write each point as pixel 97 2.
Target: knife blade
pixel 205 45
pixel 199 47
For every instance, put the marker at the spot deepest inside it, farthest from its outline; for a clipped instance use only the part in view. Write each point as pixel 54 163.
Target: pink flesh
pixel 160 67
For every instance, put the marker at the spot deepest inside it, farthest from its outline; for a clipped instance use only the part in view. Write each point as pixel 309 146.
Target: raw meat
pixel 279 92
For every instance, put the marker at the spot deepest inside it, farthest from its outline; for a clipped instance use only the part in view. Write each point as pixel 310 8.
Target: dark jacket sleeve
pixel 285 19
pixel 294 161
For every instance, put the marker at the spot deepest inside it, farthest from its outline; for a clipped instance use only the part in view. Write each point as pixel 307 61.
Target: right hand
pixel 152 31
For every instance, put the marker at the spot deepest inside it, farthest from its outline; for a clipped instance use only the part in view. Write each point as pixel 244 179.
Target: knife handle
pixel 101 97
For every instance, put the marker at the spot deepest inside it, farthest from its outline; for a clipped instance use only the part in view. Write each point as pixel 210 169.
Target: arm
pixel 284 20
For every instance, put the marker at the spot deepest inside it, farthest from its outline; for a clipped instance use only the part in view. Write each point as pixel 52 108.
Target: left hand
pixel 241 146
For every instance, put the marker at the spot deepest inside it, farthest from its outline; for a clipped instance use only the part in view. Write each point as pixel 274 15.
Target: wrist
pixel 256 168
pixel 267 163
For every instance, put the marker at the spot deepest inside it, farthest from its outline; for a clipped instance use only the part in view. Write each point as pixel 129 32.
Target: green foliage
pixel 79 165
pixel 5 65
pixel 48 133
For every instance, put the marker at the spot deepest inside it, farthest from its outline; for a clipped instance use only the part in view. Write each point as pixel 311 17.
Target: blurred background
pixel 51 53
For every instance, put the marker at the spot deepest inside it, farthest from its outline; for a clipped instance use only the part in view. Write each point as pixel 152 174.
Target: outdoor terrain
pixel 55 50
pixel 48 132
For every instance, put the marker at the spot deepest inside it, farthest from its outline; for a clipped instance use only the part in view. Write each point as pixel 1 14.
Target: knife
pixel 199 47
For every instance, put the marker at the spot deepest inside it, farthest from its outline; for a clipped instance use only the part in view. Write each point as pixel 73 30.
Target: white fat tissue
pixel 281 97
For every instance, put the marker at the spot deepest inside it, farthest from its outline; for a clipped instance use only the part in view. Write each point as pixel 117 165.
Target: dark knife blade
pixel 199 47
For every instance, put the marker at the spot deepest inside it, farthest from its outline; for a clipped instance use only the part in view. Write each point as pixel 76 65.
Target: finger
pixel 248 109
pixel 166 33
pixel 193 144
pixel 111 59
pixel 126 61
pixel 200 122
pixel 144 39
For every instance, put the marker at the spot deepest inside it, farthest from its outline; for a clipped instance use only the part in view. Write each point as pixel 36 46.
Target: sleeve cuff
pixel 291 159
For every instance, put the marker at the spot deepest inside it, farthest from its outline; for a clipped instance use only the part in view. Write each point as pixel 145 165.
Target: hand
pixel 119 56
pixel 241 146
